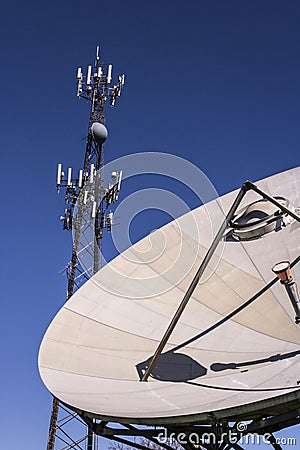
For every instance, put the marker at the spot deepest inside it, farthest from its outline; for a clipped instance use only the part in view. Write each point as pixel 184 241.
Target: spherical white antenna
pixel 99 132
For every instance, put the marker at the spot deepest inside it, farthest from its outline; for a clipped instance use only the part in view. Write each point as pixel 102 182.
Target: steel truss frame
pixel 225 435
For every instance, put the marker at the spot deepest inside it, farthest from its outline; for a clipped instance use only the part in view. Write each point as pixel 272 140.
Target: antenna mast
pixel 87 206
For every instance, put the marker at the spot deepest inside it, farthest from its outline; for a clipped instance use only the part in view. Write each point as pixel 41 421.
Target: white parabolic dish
pixel 101 338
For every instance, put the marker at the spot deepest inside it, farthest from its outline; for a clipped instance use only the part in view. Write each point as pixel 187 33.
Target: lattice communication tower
pixel 87 214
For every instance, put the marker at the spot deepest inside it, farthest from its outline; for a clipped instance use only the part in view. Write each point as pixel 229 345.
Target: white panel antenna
pixel 109 72
pixel 80 178
pixel 88 77
pixel 79 73
pixel 59 175
pixel 69 182
pixel 85 197
pixel 79 78
pixel 120 179
pixel 94 210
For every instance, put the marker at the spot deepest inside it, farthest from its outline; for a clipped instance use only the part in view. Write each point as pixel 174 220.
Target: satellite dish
pixel 99 132
pixel 234 351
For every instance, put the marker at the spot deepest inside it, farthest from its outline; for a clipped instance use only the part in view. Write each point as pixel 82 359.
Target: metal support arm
pixel 196 280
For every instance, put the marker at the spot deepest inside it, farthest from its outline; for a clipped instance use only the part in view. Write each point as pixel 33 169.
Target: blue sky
pixel 215 82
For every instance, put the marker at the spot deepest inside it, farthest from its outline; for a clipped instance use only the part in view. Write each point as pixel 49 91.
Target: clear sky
pixel 216 82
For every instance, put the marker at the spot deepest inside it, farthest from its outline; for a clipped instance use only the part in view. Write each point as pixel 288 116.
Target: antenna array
pixel 96 84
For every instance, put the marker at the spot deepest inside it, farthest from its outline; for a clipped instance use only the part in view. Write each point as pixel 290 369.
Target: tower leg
pixel 53 425
pixel 90 439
